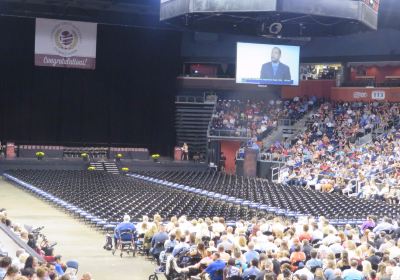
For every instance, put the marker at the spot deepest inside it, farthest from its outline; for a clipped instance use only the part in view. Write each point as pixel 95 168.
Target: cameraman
pixel 32 242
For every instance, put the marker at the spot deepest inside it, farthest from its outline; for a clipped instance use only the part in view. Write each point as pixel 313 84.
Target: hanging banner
pixel 61 43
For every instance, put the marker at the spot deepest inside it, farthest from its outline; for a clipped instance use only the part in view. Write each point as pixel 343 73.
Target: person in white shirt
pixel 304 270
pixel 394 252
pixel 385 225
pixel 217 226
pixel 317 234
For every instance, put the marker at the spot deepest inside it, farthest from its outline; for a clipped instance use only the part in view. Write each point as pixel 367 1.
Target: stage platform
pixel 79 164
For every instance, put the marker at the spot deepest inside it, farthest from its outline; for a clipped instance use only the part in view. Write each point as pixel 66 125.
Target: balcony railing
pixel 231 133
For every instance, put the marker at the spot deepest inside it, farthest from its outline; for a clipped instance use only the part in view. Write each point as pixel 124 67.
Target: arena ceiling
pixel 132 12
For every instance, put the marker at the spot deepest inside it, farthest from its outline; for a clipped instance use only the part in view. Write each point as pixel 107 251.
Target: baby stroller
pixel 126 242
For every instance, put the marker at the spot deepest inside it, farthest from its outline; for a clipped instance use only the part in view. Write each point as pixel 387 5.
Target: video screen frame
pixel 273 70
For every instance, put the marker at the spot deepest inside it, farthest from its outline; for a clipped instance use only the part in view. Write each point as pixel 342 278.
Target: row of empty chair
pixel 291 198
pixel 104 198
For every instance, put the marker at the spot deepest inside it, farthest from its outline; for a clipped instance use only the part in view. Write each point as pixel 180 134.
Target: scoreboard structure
pixel 364 13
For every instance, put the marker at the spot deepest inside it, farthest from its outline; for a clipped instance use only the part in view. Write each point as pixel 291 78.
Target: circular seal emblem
pixel 66 38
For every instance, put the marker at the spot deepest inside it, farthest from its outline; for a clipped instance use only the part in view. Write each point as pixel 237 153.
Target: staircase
pixel 287 131
pixel 111 167
pixel 98 165
pixel 108 166
pixel 192 118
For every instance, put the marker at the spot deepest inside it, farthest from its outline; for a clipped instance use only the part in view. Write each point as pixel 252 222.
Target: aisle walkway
pixel 75 239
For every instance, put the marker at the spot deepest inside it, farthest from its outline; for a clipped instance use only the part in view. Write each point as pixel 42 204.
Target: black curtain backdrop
pixel 128 99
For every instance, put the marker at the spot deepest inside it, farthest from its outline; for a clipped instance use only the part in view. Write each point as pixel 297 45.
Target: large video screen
pixel 264 64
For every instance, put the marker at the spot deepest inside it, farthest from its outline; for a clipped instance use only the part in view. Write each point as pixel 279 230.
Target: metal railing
pixel 207 97
pixel 286 122
pixel 231 133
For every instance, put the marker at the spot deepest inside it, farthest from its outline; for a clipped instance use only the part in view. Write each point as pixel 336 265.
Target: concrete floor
pixel 75 239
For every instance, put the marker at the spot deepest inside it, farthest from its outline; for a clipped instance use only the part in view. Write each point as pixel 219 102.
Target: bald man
pixel 275 70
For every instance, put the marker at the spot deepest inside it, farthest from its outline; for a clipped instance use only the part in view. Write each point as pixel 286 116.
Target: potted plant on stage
pixel 85 156
pixel 91 168
pixel 118 157
pixel 39 155
pixel 125 169
pixel 155 157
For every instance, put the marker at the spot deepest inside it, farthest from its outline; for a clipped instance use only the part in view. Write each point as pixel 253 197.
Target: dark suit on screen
pixel 282 73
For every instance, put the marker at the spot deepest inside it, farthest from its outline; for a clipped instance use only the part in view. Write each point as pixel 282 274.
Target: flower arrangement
pixel 91 168
pixel 118 157
pixel 155 157
pixel 39 155
pixel 125 169
pixel 84 156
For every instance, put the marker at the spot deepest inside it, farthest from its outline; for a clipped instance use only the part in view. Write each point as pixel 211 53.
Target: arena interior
pixel 200 139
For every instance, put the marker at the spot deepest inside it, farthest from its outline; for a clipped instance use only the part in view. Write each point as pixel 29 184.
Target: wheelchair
pixel 126 243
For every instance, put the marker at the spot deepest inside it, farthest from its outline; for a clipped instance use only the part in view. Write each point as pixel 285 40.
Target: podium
pixel 10 150
pixel 178 153
pixel 250 162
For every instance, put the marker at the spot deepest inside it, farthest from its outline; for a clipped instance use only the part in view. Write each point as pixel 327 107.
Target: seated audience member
pixel 11 273
pixel 251 254
pixel 297 256
pixel 157 242
pixel 125 225
pixel 5 263
pixel 266 269
pixel 181 246
pixel 29 273
pixel 253 270
pixel 31 262
pixel 16 260
pixel 352 273
pixel 215 269
pixel 314 263
pixel 170 244
pixel 59 266
pixel 42 273
pixel 231 271
pixel 304 271
pixel 385 225
pixel 223 255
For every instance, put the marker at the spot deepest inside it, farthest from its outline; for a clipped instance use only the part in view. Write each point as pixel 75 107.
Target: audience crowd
pixel 256 119
pixel 276 248
pixel 329 156
pixel 23 266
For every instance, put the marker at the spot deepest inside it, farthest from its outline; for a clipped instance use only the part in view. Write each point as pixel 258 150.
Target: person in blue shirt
pixel 251 253
pixel 125 225
pixel 352 273
pixel 215 269
pixel 314 263
pixel 157 243
pixel 252 270
pixel 181 246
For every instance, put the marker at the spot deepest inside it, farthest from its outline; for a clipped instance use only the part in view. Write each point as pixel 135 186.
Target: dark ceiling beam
pixel 103 5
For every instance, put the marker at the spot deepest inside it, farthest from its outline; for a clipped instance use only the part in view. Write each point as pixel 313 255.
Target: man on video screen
pixel 275 70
